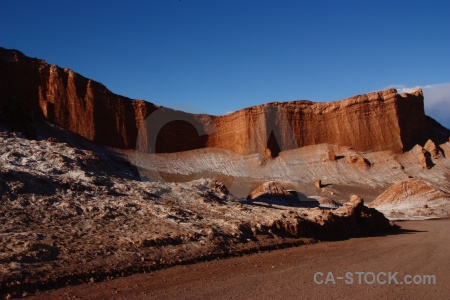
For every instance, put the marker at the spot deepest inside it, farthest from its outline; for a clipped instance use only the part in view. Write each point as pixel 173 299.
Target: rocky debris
pixel 73 215
pixel 268 190
pixel 413 199
pixel 395 121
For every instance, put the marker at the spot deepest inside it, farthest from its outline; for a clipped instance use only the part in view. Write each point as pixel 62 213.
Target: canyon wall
pixel 382 120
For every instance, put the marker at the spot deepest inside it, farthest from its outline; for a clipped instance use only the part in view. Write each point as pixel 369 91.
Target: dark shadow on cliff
pixel 439 134
pixel 435 131
pixel 178 136
pixel 15 117
pixel 273 146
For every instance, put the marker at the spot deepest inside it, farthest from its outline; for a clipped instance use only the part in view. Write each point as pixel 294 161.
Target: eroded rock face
pixel 362 214
pixel 432 148
pixel 382 120
pixel 446 149
pixel 423 157
pixel 413 198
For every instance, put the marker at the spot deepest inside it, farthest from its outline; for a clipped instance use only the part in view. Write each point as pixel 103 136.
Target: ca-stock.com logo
pixel 382 278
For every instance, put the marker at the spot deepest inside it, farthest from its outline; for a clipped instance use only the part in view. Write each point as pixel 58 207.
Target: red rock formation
pixel 331 156
pixel 412 192
pixel 431 147
pixel 365 122
pixel 70 100
pixel 377 121
pixel 358 161
pixel 413 198
pixel 318 183
pixel 446 149
pixel 423 157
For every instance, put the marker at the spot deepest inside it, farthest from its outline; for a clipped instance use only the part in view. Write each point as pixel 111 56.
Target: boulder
pixel 328 203
pixel 358 160
pixel 318 184
pixel 269 189
pixel 331 156
pixel 413 198
pixel 356 200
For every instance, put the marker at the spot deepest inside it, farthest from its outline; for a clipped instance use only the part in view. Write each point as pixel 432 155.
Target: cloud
pixel 436 100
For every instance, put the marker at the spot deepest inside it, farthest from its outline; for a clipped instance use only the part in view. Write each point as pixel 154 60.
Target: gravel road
pixel 421 249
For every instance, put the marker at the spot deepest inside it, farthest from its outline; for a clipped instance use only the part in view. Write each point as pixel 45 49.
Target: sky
pixel 220 56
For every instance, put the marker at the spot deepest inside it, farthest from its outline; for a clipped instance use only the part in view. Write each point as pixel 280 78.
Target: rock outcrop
pixel 382 120
pixel 413 199
pixel 318 183
pixel 423 157
pixel 331 156
pixel 269 189
pixel 431 147
pixel 324 202
pixel 359 161
pixel 362 216
pixel 446 149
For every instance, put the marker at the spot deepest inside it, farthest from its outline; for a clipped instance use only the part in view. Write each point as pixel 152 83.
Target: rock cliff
pixel 31 88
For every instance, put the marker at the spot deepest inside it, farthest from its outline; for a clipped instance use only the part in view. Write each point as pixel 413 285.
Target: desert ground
pixel 72 215
pixel 420 248
pixel 103 196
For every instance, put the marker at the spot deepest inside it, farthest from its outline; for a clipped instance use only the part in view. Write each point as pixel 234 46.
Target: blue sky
pixel 220 56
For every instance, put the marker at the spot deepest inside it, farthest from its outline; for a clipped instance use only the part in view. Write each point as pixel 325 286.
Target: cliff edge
pixel 31 89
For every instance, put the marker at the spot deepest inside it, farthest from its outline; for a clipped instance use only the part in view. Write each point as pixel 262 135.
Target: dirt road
pixel 423 249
